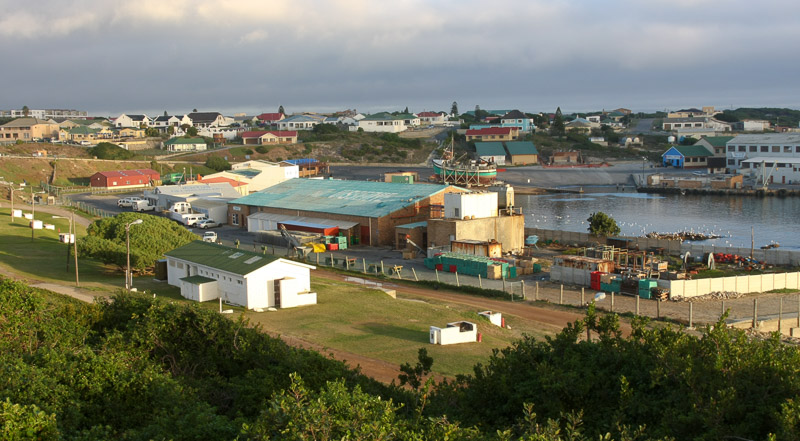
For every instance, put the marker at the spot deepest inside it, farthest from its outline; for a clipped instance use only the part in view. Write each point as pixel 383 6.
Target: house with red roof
pixel 493 134
pixel 264 137
pixel 435 118
pixel 271 118
pixel 144 177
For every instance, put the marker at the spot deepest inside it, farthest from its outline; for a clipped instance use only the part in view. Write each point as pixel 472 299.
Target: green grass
pixel 371 323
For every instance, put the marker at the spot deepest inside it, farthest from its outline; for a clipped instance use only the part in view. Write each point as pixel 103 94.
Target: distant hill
pixel 781 116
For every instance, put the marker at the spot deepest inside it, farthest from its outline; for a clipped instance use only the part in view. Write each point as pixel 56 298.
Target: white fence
pixel 740 284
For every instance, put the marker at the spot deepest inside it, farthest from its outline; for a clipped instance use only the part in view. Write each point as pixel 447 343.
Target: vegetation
pixel 454 108
pixel 107 150
pixel 558 128
pixel 106 240
pixel 601 224
pixel 262 149
pixel 781 116
pixel 217 163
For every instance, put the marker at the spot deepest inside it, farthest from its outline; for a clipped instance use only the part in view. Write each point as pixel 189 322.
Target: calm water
pixel 774 219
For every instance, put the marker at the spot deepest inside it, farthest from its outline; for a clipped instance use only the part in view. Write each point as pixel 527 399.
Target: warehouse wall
pixel 508 230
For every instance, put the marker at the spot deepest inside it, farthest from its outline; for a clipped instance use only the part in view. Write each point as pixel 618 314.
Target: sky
pixel 251 56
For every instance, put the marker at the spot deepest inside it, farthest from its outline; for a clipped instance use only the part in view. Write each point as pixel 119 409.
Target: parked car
pixel 206 223
pixel 210 236
pixel 128 202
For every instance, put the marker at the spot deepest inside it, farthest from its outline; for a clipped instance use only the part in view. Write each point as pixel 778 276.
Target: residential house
pixel 183 144
pixel 695 126
pixel 28 129
pixel 245 120
pixel 783 146
pixel 515 118
pixel 202 120
pixel 206 271
pixel 264 137
pixel 297 122
pixel 693 112
pixel 432 118
pixel 491 152
pixel 132 121
pixel 125 179
pixel 623 111
pixel 382 122
pixel 373 208
pixel 129 132
pixel 522 153
pixel 582 124
pixel 493 134
pixel 270 118
pixel 686 156
pixel 175 121
pixel 409 119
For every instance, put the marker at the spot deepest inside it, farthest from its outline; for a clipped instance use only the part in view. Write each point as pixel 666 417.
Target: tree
pixel 281 111
pixel 105 239
pixel 601 224
pixel 194 110
pixel 26 111
pixel 405 110
pixel 107 150
pixel 165 113
pixel 557 129
pixel 412 375
pixel 191 131
pixel 454 109
pixel 218 163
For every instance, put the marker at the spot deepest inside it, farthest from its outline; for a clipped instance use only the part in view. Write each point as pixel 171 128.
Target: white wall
pixel 480 205
pixel 740 284
pixel 453 335
pixel 293 295
pixel 391 126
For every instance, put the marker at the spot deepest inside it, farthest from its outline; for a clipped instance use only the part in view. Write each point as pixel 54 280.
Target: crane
pixel 292 242
pixel 409 241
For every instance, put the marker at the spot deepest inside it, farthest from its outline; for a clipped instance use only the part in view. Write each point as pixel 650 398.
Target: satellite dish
pixel 599 296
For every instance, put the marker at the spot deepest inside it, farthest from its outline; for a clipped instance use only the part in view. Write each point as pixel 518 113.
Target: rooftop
pixel 767 138
pixel 717 141
pixel 231 260
pixel 521 148
pixel 355 198
pixel 182 140
pixel 490 149
pixel 692 150
pixel 490 131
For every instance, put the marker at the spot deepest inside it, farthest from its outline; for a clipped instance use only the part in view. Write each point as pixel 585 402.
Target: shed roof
pixel 716 141
pixel 126 173
pixel 692 150
pixel 355 198
pixel 198 280
pixel 344 225
pixel 220 257
pixel 521 148
pixel 414 225
pixel 490 149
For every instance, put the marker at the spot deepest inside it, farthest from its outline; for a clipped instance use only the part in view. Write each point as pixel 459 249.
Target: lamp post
pixel 73 231
pixel 128 278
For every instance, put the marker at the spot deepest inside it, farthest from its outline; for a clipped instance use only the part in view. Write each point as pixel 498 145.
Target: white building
pixel 773 145
pixel 434 118
pixel 207 271
pixel 469 205
pixel 298 122
pixel 381 122
pixel 456 332
pixel 259 174
pixel 135 121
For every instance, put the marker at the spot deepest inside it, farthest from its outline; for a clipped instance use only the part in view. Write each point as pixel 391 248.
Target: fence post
pixel 561 296
pixel 364 261
pixel 480 281
pixel 612 301
pixel 780 315
pixel 637 305
pixel 691 315
pixel 755 313
pixel 317 258
pixel 382 271
pixel 583 296
pixel 536 296
pixel 504 284
pixel 723 308
pixel 332 261
pixel 457 282
pixel 346 263
pixel 658 308
pixel 522 284
pixel 415 274
pixel 437 275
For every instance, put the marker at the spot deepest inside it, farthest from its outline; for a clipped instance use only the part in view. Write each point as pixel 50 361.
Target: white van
pixel 191 219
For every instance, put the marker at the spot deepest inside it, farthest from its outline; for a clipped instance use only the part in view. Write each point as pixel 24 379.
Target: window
pixel 753 148
pixel 731 162
pixel 239 282
pixel 742 148
pixel 172 263
pixel 180 265
pixel 797 149
pixel 764 149
pixel 787 149
pixel 731 148
pixel 776 149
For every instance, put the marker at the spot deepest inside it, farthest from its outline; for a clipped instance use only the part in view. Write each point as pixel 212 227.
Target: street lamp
pixel 73 231
pixel 128 278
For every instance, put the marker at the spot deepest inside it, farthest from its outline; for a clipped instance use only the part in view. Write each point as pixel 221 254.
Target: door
pixel 365 235
pixel 276 289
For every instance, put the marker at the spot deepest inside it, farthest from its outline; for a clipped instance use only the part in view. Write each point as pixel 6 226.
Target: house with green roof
pixel 686 156
pixel 491 152
pixel 374 209
pixel 207 271
pixel 522 152
pixel 183 144
pixel 384 122
pixel 715 144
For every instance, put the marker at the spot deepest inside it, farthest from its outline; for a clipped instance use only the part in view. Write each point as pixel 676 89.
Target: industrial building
pixel 207 271
pixel 259 174
pixel 209 199
pixel 376 207
pixel 491 152
pixel 125 179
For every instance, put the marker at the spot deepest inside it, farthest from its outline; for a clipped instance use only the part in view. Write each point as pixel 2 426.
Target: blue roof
pixel 302 161
pixel 354 198
pixel 521 148
pixel 246 172
pixel 414 225
pixel 490 149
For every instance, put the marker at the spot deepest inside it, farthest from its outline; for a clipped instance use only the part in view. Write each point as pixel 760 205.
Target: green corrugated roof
pixel 198 280
pixel 718 141
pixel 82 130
pixel 246 172
pixel 355 198
pixel 182 140
pixel 521 148
pixel 693 150
pixel 414 225
pixel 490 149
pixel 221 257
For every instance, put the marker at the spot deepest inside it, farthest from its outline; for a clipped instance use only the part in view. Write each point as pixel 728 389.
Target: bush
pixel 262 149
pixel 218 163
pixel 601 224
pixel 107 150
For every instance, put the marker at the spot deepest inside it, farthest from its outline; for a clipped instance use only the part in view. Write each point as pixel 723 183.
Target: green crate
pixel 644 293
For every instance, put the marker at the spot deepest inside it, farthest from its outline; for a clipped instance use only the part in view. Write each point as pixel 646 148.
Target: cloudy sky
pixel 110 57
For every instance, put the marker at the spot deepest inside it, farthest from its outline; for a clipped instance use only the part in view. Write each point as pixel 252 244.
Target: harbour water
pixel 773 219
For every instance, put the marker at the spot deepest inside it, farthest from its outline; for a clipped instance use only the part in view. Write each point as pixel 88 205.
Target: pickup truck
pixel 142 205
pixel 210 236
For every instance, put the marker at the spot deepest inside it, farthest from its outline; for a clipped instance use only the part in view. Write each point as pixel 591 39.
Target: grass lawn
pixel 370 323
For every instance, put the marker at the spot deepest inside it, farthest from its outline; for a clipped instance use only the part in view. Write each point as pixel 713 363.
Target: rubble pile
pixel 716 295
pixel 682 235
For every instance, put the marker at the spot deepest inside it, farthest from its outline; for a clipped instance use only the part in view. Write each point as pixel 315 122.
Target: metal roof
pixel 521 148
pixel 414 225
pixel 344 225
pixel 772 159
pixel 355 198
pixel 308 224
pixel 222 189
pixel 766 138
pixel 246 172
pixel 198 280
pixel 490 149
pixel 220 257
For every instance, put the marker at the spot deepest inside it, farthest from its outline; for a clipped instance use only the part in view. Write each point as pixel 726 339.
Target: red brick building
pixel 144 177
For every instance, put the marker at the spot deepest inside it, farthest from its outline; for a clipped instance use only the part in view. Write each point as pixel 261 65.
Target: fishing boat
pixel 466 173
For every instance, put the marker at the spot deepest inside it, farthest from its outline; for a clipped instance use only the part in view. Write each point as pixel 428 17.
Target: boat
pixel 469 173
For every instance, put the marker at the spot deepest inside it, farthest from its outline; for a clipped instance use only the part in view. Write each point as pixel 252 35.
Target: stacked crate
pixel 610 283
pixel 471 265
pixel 645 287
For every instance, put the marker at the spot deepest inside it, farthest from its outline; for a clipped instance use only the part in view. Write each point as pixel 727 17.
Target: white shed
pixel 494 318
pixel 456 332
pixel 467 205
pixel 207 271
